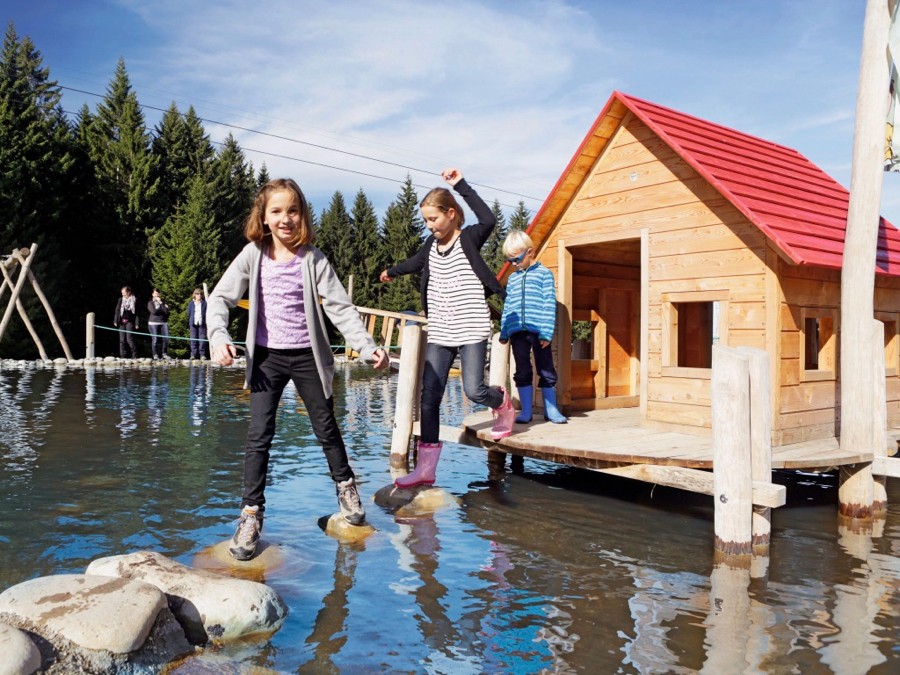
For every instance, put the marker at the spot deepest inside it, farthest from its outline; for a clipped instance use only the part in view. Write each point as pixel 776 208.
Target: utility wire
pixel 313 145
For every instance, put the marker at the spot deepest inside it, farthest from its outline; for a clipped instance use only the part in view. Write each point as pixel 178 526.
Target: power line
pixel 313 145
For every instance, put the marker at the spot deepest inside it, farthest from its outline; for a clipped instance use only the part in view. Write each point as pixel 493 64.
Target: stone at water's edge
pixel 95 612
pixel 208 605
pixel 335 526
pixel 414 501
pixel 20 656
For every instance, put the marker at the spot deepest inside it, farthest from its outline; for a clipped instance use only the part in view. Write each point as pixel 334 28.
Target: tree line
pixel 112 203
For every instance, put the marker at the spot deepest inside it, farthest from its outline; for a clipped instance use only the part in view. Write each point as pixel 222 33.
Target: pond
pixel 541 569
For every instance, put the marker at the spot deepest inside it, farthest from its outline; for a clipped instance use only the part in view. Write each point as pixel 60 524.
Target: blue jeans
pixel 272 370
pixel 523 344
pixel 159 333
pixel 438 359
pixel 198 341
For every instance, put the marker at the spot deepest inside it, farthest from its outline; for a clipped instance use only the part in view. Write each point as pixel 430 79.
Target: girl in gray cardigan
pixel 291 286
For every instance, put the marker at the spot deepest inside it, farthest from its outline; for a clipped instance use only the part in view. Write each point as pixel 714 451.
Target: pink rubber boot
pixel 504 415
pixel 426 464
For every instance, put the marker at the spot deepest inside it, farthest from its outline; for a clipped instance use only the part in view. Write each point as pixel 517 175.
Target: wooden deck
pixel 599 439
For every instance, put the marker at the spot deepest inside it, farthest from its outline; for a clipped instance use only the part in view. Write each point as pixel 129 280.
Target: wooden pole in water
pixel 856 492
pixel 405 403
pixel 89 336
pixel 879 419
pixel 732 471
pixel 498 373
pixel 760 442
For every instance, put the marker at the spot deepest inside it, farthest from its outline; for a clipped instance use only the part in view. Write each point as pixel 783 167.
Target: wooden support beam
pixel 23 275
pixel 498 371
pixel 20 308
pixel 47 308
pixel 764 494
pixel 405 403
pixel 886 466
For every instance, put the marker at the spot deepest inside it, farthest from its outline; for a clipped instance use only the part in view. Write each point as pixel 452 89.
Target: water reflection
pixel 541 570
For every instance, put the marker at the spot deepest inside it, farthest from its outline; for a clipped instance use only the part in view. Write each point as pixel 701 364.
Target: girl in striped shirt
pixel 456 283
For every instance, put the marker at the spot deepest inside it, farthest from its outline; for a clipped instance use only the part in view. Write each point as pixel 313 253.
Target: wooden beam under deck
pixel 607 439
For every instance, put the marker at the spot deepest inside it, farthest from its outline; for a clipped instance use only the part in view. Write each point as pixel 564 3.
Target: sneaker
pixel 351 505
pixel 245 539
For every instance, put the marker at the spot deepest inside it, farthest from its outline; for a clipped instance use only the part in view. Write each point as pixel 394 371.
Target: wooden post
pixel 498 372
pixel 405 404
pixel 47 308
pixel 879 419
pixel 732 472
pixel 20 308
pixel 564 323
pixel 89 350
pixel 855 495
pixel 760 443
pixel 350 287
pixel 23 275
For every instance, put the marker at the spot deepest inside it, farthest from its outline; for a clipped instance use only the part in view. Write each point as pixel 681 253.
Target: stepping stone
pixel 414 501
pixel 209 606
pixel 267 559
pixel 335 526
pixel 20 656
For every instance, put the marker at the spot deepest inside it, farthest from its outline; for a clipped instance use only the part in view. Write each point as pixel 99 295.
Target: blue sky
pixel 505 90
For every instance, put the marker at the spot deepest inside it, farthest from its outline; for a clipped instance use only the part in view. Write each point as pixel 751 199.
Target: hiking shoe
pixel 245 539
pixel 351 505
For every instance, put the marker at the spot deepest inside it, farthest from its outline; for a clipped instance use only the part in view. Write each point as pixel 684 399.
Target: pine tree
pixel 492 251
pixel 185 253
pixel 334 237
pixel 36 171
pixel 120 150
pixel 403 229
pixel 263 177
pixel 368 257
pixel 520 218
pixel 234 189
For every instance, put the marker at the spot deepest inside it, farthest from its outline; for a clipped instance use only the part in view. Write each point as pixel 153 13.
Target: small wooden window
pixel 692 324
pixel 891 321
pixel 818 344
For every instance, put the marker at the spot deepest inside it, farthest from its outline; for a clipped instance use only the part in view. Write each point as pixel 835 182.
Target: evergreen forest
pixel 111 203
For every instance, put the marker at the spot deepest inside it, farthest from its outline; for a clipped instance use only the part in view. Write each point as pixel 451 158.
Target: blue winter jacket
pixel 530 303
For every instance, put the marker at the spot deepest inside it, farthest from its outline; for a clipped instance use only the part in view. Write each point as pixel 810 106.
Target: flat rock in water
pixel 95 612
pixel 335 526
pixel 210 606
pixel 20 656
pixel 267 560
pixel 414 501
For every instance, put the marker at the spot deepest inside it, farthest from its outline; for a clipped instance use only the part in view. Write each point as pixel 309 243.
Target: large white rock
pixel 415 501
pixel 335 526
pixel 20 656
pixel 209 606
pixel 95 612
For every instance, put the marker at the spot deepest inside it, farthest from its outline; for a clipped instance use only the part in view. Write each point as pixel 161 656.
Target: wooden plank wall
pixel 697 242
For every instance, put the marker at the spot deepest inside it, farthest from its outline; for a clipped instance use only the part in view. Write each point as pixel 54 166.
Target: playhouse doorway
pixel 604 300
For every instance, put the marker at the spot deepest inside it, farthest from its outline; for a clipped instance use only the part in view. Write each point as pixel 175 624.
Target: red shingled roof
pixel 796 204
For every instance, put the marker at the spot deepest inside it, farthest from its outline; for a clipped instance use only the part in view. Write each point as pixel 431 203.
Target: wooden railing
pixel 391 323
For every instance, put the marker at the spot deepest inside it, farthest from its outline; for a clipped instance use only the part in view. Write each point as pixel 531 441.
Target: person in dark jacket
pixel 158 323
pixel 126 320
pixel 197 322
pixel 456 282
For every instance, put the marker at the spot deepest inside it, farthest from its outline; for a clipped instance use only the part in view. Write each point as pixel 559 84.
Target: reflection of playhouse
pixel 668 233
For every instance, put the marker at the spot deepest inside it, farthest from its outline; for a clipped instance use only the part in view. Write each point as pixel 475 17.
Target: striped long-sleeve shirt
pixel 530 303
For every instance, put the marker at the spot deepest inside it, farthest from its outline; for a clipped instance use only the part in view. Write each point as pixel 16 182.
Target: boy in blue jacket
pixel 528 323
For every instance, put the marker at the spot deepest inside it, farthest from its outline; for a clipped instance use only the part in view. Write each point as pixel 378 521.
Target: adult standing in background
pixel 126 320
pixel 158 322
pixel 197 322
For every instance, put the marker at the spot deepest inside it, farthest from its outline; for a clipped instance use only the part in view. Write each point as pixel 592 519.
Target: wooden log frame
pixel 24 258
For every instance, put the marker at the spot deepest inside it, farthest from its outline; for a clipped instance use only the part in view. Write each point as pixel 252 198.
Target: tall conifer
pixel 333 236
pixel 403 229
pixel 368 257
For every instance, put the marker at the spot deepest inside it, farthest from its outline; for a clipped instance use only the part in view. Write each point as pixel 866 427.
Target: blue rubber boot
pixel 551 412
pixel 526 396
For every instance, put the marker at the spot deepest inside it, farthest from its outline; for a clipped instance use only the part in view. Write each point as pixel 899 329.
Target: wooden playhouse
pixel 667 234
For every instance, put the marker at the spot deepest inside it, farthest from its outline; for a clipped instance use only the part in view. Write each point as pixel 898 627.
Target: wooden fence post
pixel 89 336
pixel 732 472
pixel 879 419
pixel 407 386
pixel 498 373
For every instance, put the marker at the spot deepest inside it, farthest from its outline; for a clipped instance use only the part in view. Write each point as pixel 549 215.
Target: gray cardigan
pixel 322 290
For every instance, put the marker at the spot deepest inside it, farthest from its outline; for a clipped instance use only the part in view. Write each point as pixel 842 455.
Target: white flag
pixel 892 139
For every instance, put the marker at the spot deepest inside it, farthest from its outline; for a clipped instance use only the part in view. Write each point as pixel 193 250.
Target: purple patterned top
pixel 281 320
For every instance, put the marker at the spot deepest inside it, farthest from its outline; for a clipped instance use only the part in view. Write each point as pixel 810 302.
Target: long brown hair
pixel 442 198
pixel 255 228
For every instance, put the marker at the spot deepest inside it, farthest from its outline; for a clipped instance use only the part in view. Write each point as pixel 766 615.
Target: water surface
pixel 545 569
